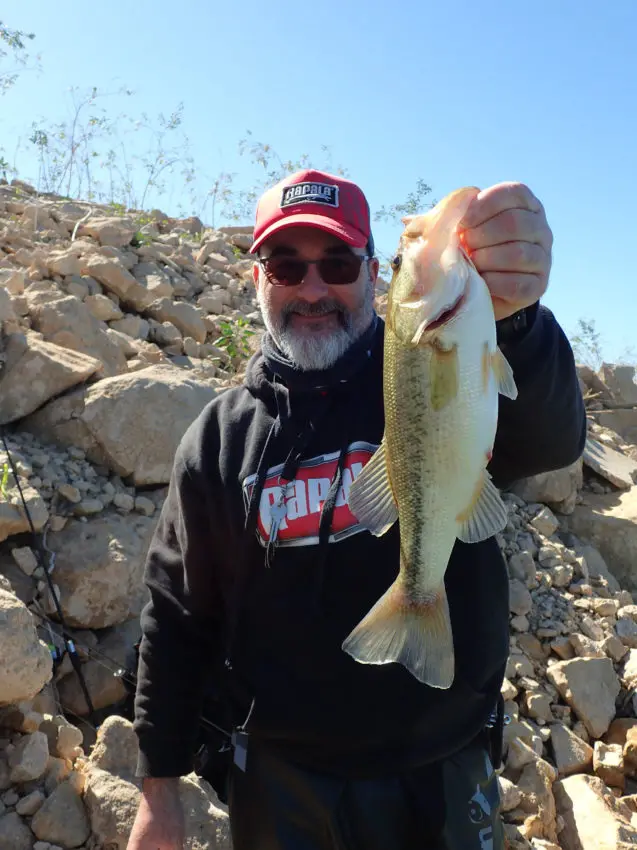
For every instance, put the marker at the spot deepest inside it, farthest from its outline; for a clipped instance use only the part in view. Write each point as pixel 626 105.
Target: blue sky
pixel 462 93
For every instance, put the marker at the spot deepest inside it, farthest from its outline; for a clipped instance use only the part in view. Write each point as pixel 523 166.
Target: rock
pixel 13 519
pixel 590 687
pixel 62 736
pixel 522 566
pixel 586 648
pixel 116 431
pixel 111 273
pixel 183 316
pixel 124 502
pixel 620 380
pixel 116 232
pixel 36 371
pixel 66 322
pixel 25 662
pixel 557 489
pixel 154 280
pixel 103 308
pixel 112 804
pixel 105 689
pixel 597 569
pixel 629 750
pixel 535 784
pixel 571 754
pixel 545 522
pixel 611 465
pixel 30 757
pixel 619 729
pixel 12 280
pixel 25 559
pixel 29 805
pixel 608 764
pixel 610 524
pixel 14 833
pixel 116 748
pixel 133 326
pixel 593 818
pixel 99 567
pixel 62 818
pixel 626 629
pixel 510 794
pixel 144 506
pixel 623 422
pixel 520 601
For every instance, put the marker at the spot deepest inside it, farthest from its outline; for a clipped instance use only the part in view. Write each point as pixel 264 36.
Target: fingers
pixel 512 225
pixel 497 199
pixel 517 289
pixel 511 257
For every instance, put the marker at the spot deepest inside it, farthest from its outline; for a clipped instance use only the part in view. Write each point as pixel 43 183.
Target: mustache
pixel 319 308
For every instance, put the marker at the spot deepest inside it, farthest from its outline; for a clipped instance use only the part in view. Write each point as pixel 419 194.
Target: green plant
pixel 234 337
pixel 12 43
pixel 4 480
pixel 587 344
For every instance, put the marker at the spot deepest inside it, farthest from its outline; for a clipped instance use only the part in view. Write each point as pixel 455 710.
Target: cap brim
pixel 349 234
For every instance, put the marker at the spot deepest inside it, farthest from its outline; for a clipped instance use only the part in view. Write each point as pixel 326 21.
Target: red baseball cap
pixel 314 199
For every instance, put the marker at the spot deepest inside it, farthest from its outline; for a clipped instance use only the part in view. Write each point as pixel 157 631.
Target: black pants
pixel 452 805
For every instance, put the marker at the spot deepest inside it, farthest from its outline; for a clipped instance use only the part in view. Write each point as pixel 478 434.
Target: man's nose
pixel 312 288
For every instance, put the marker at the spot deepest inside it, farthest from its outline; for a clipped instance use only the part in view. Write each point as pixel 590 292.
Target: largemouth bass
pixel 442 375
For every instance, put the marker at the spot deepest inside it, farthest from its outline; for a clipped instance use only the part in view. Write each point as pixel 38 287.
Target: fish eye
pixel 395 263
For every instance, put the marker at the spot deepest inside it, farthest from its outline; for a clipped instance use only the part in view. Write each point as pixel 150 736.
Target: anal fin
pixel 485 516
pixel 504 375
pixel 371 499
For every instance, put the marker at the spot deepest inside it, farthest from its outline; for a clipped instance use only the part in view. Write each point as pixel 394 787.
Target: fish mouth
pixel 446 314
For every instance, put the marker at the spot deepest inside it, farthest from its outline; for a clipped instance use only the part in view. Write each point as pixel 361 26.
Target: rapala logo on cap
pixel 310 193
pixel 305 497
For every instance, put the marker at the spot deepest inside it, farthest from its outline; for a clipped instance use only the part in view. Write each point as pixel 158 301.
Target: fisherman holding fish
pixel 325 570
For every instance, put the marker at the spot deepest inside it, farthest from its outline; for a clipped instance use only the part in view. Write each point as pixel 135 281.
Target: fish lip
pixel 447 313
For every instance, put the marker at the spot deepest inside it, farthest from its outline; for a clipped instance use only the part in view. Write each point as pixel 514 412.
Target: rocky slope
pixel 109 347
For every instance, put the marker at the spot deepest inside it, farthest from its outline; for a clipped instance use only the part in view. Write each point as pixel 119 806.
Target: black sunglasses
pixel 339 270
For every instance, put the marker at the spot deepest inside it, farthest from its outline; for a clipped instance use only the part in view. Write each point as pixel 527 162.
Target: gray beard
pixel 309 351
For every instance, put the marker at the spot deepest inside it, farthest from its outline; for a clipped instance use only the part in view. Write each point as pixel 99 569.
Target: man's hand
pixel 159 823
pixel 506 234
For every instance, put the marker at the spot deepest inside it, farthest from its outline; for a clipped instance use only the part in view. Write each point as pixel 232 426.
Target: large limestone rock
pixel 557 488
pixel 13 517
pixel 36 371
pixel 62 818
pixel 132 423
pixel 66 321
pixel 590 686
pixel 611 465
pixel 112 803
pixel 620 380
pixel 25 662
pixel 99 567
pixel 182 315
pixel 30 757
pixel 609 523
pixel 116 232
pixel 14 833
pixel 623 422
pixel 593 818
pixel 571 754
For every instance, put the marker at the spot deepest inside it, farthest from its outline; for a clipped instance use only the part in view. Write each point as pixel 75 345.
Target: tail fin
pixel 418 636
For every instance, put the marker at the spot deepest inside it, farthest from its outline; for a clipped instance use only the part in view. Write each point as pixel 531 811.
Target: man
pixel 258 571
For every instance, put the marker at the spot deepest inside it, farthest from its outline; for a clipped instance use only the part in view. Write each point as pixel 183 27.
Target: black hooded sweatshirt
pixel 294 604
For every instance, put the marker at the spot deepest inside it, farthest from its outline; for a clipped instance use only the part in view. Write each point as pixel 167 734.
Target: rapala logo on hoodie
pixel 305 497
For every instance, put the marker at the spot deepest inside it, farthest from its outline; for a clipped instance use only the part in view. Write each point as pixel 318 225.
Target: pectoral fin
pixel 504 375
pixel 370 496
pixel 485 516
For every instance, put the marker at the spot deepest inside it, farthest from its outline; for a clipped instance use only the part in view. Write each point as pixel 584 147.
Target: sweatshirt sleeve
pixel 180 632
pixel 545 427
